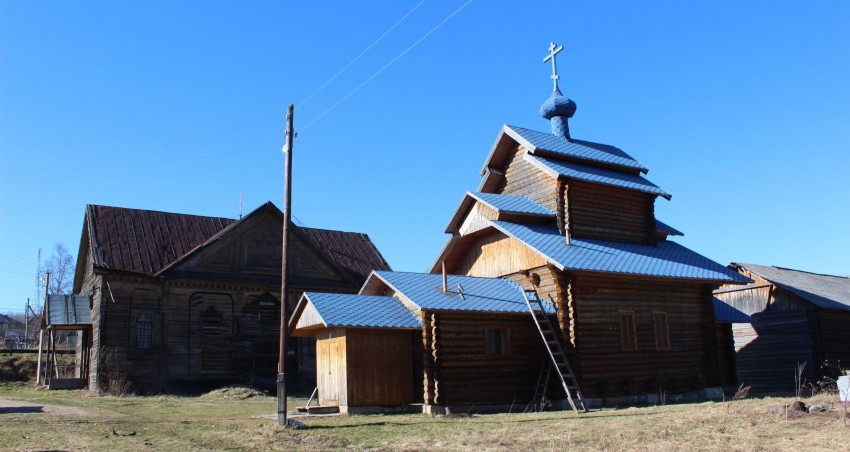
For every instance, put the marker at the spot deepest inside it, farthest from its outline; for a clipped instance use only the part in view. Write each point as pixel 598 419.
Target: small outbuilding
pixel 798 319
pixel 64 313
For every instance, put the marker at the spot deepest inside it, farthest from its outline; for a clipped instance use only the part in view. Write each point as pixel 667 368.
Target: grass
pixel 75 420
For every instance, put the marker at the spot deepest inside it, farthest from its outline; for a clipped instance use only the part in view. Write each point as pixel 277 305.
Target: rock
pixel 295 425
pixel 799 406
pixel 818 408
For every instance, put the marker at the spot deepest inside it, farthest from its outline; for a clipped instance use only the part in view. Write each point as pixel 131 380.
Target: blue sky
pixel 741 110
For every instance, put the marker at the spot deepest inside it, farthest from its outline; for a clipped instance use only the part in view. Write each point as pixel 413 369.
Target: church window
pixel 498 341
pixel 144 332
pixel 628 331
pixel 662 331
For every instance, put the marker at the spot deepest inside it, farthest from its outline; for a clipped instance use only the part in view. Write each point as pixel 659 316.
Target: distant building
pixel 185 301
pixel 797 317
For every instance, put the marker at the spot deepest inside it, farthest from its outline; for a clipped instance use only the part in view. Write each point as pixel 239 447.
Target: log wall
pixel 523 179
pixel 460 372
pixel 608 370
pixel 609 213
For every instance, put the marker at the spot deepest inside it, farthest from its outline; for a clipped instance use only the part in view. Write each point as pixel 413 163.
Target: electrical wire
pixel 360 55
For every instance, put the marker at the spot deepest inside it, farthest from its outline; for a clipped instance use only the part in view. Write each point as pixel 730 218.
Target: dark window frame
pixel 144 332
pixel 662 335
pixel 497 340
pixel 628 321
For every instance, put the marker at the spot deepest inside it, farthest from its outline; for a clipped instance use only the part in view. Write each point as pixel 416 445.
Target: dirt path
pixel 11 406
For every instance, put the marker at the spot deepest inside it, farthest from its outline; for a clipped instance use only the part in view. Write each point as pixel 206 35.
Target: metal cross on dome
pixel 554 49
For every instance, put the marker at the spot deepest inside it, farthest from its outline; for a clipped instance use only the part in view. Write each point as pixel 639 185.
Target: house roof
pixel 4 319
pixel 725 313
pixel 479 294
pixel 359 311
pixel 572 170
pixel 150 242
pixel 666 259
pixel 824 291
pixel 68 310
pixel 546 143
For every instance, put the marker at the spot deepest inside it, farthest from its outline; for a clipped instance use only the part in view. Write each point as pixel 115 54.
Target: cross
pixel 554 50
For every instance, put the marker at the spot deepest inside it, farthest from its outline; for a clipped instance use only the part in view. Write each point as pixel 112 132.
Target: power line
pixel 361 54
pixel 386 65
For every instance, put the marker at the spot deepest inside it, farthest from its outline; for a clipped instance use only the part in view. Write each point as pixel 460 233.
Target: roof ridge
pixel 791 269
pixel 160 211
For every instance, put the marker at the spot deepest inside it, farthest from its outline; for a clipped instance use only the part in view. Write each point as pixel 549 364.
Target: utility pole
pixel 284 289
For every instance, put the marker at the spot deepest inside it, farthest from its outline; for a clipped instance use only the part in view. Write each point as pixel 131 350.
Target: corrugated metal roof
pixel 512 204
pixel 667 229
pixel 667 259
pixel 352 251
pixel 581 149
pixel 725 313
pixel 362 311
pixel 824 291
pixel 479 294
pixel 597 175
pixel 68 310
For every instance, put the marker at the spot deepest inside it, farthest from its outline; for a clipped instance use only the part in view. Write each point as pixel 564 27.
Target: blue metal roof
pixel 724 313
pixel 512 204
pixel 479 294
pixel 68 310
pixel 362 311
pixel 666 259
pixel 666 228
pixel 585 150
pixel 599 175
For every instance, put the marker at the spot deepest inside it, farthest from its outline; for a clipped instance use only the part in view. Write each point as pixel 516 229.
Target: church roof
pixel 541 143
pixel 479 294
pixel 666 259
pixel 359 311
pixel 512 204
pixel 666 228
pixel 823 291
pixel 149 242
pixel 572 170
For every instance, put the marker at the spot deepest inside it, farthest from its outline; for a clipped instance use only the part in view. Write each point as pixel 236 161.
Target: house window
pixel 498 341
pixel 662 331
pixel 144 331
pixel 628 331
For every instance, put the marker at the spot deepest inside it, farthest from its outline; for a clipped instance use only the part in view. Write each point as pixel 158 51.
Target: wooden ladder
pixel 555 350
pixel 538 400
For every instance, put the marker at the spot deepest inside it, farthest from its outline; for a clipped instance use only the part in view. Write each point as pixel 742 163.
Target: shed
pixel 364 348
pixel 65 312
pixel 798 318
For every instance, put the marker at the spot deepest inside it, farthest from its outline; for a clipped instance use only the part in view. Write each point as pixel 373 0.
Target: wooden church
pixel 574 221
pixel 186 302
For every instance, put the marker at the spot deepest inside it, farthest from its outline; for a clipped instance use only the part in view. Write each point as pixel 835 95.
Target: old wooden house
pixel 575 221
pixel 797 318
pixel 186 301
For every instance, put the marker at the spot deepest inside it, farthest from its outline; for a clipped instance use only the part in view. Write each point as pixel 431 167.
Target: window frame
pixel 664 344
pixel 500 347
pixel 628 316
pixel 144 332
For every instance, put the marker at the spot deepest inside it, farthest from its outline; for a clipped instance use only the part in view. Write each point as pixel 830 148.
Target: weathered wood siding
pixel 608 370
pixel 834 328
pixel 380 367
pixel 609 213
pixel 726 355
pixel 523 179
pixel 458 369
pixel 496 255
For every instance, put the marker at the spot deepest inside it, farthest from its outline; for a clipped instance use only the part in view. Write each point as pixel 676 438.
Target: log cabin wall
pixel 726 355
pixel 608 369
pixel 523 179
pixel 834 329
pixel 609 213
pixel 379 366
pixel 459 369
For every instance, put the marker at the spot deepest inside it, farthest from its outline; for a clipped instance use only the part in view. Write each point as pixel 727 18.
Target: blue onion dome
pixel 557 105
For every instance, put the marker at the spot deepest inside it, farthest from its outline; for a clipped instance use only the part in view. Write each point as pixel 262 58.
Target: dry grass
pixel 222 422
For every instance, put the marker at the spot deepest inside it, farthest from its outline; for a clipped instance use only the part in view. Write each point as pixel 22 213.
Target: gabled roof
pixel 823 291
pixel 355 311
pixel 572 170
pixel 726 313
pixel 150 242
pixel 666 228
pixel 667 259
pixel 505 205
pixel 540 143
pixel 479 294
